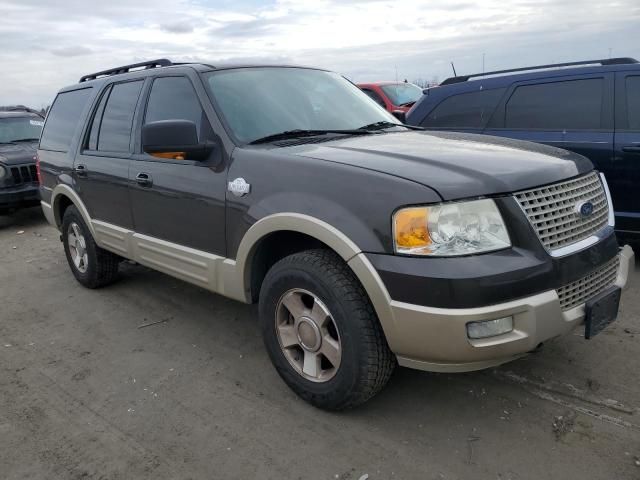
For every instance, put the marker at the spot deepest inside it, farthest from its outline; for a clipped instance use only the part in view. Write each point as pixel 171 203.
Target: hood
pixel 18 153
pixel 456 165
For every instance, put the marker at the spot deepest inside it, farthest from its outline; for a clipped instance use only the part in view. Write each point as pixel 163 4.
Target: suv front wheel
pixel 321 331
pixel 92 266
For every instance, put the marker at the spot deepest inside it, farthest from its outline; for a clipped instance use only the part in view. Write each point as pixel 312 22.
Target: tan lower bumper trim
pixel 435 339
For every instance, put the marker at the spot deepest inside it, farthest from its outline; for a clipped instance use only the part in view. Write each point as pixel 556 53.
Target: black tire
pixel 366 363
pixel 102 266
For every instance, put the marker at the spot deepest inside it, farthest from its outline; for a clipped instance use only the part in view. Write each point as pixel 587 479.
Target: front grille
pixel 24 174
pixel 552 210
pixel 578 292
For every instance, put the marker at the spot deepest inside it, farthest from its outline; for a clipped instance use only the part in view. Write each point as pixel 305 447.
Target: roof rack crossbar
pixel 607 61
pixel 161 62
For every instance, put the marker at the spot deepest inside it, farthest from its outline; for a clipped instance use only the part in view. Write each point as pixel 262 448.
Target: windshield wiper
pixel 385 124
pixel 25 140
pixel 406 104
pixel 298 133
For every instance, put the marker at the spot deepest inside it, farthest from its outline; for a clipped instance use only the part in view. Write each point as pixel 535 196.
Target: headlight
pixel 450 229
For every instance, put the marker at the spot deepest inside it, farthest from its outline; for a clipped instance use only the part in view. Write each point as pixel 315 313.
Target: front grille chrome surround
pixel 551 210
pixel 578 292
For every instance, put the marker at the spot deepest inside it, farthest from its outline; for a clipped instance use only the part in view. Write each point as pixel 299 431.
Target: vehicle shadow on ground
pixel 27 218
pixel 213 318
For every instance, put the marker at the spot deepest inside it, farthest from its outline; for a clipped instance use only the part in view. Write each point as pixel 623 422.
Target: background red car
pixel 393 96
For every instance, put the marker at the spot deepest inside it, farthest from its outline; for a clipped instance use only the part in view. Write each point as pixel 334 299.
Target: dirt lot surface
pixel 87 392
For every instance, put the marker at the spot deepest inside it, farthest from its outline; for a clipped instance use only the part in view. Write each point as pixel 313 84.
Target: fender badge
pixel 239 187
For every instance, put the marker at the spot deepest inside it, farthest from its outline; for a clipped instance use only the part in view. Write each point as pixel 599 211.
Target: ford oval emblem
pixel 584 209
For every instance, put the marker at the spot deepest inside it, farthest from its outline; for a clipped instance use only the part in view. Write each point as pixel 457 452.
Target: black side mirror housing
pixel 400 115
pixel 179 137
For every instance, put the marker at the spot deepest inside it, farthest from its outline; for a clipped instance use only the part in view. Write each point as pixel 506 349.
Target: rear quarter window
pixel 633 102
pixel 63 119
pixel 566 105
pixel 465 110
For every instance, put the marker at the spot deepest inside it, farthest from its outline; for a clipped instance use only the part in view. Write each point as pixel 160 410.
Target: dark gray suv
pixel 366 243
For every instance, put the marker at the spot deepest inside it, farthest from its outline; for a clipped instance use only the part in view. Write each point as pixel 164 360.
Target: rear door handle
pixel 81 170
pixel 631 149
pixel 144 179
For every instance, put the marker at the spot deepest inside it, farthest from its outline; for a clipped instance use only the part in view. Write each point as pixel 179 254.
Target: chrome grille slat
pixel 551 210
pixel 578 292
pixel 563 196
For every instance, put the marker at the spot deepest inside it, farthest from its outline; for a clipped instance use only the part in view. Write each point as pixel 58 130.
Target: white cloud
pixel 46 45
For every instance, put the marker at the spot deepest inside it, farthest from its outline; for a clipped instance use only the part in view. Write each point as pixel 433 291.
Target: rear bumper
pixel 435 339
pixel 13 198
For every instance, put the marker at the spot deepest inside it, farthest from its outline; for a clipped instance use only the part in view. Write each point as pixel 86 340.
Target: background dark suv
pixel 591 107
pixel 20 129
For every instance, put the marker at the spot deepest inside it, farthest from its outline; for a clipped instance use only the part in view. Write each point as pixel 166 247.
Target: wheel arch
pixel 311 232
pixel 62 197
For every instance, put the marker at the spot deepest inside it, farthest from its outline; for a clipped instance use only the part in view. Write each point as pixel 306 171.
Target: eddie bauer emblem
pixel 239 187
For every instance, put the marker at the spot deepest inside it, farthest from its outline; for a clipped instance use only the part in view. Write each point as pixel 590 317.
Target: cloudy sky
pixel 45 45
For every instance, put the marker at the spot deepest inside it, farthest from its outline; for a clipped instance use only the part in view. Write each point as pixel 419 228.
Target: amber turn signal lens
pixel 411 228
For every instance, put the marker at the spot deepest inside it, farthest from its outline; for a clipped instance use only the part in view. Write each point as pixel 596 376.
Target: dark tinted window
pixel 467 110
pixel 633 102
pixel 575 105
pixel 374 96
pixel 63 120
pixel 97 119
pixel 173 98
pixel 117 119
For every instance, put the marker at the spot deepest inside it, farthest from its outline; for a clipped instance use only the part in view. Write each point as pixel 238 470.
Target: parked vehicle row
pixel 365 242
pixel 591 108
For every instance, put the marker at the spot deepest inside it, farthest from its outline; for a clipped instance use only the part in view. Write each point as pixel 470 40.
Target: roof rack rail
pixel 161 62
pixel 607 61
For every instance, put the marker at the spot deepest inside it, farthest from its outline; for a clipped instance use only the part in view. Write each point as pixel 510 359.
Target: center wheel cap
pixel 309 334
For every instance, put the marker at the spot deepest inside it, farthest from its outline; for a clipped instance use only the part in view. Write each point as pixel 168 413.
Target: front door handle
pixel 81 170
pixel 631 149
pixel 144 179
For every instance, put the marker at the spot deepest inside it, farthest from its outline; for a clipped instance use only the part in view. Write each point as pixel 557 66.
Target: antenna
pixel 454 70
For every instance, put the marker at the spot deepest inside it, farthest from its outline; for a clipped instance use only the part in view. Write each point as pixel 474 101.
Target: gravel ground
pixel 86 393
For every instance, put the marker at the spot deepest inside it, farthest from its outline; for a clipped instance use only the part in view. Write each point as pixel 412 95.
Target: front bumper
pixel 13 198
pixel 435 339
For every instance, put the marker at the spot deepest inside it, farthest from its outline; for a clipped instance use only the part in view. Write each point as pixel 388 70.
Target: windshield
pixel 258 102
pixel 14 129
pixel 402 93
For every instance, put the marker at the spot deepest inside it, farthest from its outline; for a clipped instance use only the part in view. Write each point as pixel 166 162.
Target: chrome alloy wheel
pixel 77 247
pixel 308 335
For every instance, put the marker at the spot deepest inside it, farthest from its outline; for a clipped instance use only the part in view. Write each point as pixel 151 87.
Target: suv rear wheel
pixel 321 331
pixel 92 266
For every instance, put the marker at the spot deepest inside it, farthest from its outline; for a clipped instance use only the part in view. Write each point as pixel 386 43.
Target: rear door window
pixel 466 110
pixel 567 105
pixel 117 118
pixel 633 102
pixel 97 119
pixel 63 120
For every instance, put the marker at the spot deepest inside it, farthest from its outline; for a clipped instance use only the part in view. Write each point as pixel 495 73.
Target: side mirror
pixel 174 139
pixel 400 115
